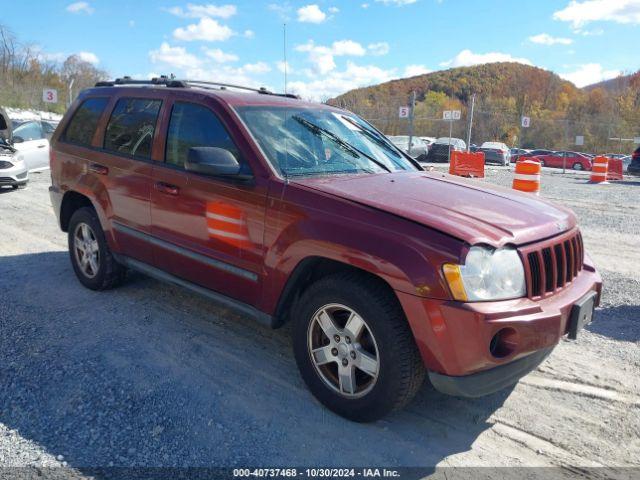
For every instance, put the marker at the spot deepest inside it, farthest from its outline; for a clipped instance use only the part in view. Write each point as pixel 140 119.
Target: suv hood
pixel 465 209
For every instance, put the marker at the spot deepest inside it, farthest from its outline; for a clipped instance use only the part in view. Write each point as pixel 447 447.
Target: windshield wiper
pixel 373 135
pixel 347 146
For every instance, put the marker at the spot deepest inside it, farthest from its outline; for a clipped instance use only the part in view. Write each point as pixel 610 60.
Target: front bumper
pixel 454 338
pixel 633 168
pixel 15 175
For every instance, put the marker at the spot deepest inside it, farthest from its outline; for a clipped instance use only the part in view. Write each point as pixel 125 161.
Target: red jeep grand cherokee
pixel 294 211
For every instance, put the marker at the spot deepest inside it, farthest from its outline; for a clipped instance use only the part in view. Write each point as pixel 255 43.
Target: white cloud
pixel 365 5
pixel 207 29
pixel 399 3
pixel 89 57
pixel 589 73
pixel 414 70
pixel 322 57
pixel 467 58
pixel 579 13
pixel 80 7
pixel 249 34
pixel 380 48
pixel 200 11
pixel 353 76
pixel 311 14
pixel 280 65
pixel 546 39
pixel 176 57
pixel 259 67
pixel 334 10
pixel 219 56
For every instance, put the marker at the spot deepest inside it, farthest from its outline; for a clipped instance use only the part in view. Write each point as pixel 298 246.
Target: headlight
pixel 487 275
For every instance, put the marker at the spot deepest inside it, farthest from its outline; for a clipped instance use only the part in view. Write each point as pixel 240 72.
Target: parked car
pixel 30 141
pixel 626 161
pixel 634 166
pixel 290 211
pixel 496 152
pixel 418 148
pixel 439 151
pixel 13 170
pixel 517 152
pixel 428 141
pixel 572 160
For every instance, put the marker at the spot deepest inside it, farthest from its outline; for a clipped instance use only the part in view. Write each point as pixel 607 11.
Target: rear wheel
pixel 354 347
pixel 91 257
pixel 542 163
pixel 578 166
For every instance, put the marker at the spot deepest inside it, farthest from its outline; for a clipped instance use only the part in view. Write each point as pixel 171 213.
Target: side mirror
pixel 17 139
pixel 213 161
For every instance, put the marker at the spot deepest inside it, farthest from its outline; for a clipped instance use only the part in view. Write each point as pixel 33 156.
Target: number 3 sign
pixel 49 95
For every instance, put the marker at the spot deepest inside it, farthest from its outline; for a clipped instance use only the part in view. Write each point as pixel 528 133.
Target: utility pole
pixel 524 102
pixel 411 115
pixel 473 103
pixel 71 92
pixel 284 50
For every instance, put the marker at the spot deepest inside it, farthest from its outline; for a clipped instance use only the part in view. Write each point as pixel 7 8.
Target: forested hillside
pixel 504 92
pixel 25 71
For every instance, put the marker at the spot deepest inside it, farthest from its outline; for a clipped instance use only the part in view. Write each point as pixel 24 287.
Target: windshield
pixel 303 141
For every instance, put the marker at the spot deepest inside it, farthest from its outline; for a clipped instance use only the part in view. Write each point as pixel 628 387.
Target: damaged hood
pixel 470 210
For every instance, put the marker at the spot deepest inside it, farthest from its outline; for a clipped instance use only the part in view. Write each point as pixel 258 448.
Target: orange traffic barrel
pixel 615 169
pixel 599 170
pixel 527 176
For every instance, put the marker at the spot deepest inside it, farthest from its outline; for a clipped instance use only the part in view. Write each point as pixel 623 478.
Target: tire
pixel 105 273
pixel 577 166
pixel 541 163
pixel 386 337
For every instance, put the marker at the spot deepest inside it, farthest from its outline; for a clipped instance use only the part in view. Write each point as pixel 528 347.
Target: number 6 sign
pixel 49 95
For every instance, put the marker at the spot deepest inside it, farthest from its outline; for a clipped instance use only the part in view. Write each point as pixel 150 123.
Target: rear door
pixel 208 230
pixel 124 165
pixel 32 145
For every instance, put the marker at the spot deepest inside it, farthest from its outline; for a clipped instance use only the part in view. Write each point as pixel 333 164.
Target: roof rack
pixel 171 82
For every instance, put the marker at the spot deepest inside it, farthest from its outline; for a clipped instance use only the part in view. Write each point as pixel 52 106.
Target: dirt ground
pixel 151 375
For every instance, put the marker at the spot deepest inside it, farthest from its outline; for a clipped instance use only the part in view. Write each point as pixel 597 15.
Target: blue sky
pixel 332 46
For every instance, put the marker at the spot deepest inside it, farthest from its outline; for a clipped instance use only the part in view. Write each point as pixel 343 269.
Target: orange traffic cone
pixel 527 176
pixel 599 170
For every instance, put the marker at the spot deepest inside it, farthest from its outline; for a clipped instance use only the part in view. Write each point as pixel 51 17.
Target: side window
pixel 193 125
pixel 131 126
pixel 84 121
pixel 29 131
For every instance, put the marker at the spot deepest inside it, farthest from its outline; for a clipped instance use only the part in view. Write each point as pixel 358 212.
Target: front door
pixel 208 230
pixel 32 144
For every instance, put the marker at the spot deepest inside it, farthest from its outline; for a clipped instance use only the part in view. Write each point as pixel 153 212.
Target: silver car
pixel 418 149
pixel 13 169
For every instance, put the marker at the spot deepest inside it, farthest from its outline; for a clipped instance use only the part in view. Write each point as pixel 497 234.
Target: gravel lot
pixel 151 375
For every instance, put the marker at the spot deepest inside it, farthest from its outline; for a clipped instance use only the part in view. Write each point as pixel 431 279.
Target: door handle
pixel 99 169
pixel 41 146
pixel 167 188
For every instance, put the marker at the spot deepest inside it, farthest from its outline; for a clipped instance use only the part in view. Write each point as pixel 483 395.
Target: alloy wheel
pixel 86 250
pixel 343 350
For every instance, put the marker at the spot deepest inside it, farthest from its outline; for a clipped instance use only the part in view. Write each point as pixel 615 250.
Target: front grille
pixel 4 164
pixel 552 265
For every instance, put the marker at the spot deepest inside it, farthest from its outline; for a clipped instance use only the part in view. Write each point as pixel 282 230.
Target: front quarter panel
pixel 303 223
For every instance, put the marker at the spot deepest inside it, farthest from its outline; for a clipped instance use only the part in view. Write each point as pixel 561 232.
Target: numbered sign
pixel 526 122
pixel 49 95
pixel 403 112
pixel 446 115
pixel 456 114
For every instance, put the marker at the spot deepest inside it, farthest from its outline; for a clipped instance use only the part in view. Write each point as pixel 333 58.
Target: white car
pixel 30 139
pixel 13 170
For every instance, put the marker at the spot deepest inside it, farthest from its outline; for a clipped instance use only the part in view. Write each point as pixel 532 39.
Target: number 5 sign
pixel 49 95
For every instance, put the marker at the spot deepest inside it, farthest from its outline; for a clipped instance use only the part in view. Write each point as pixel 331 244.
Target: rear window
pixel 84 121
pixel 131 127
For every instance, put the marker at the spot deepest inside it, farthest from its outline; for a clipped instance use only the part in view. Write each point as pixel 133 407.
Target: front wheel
pixel 92 260
pixel 577 166
pixel 354 347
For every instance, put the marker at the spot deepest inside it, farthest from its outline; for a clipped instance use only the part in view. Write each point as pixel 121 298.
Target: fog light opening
pixel 503 343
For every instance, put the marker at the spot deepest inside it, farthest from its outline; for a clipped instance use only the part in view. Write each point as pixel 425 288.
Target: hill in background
pixel 504 92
